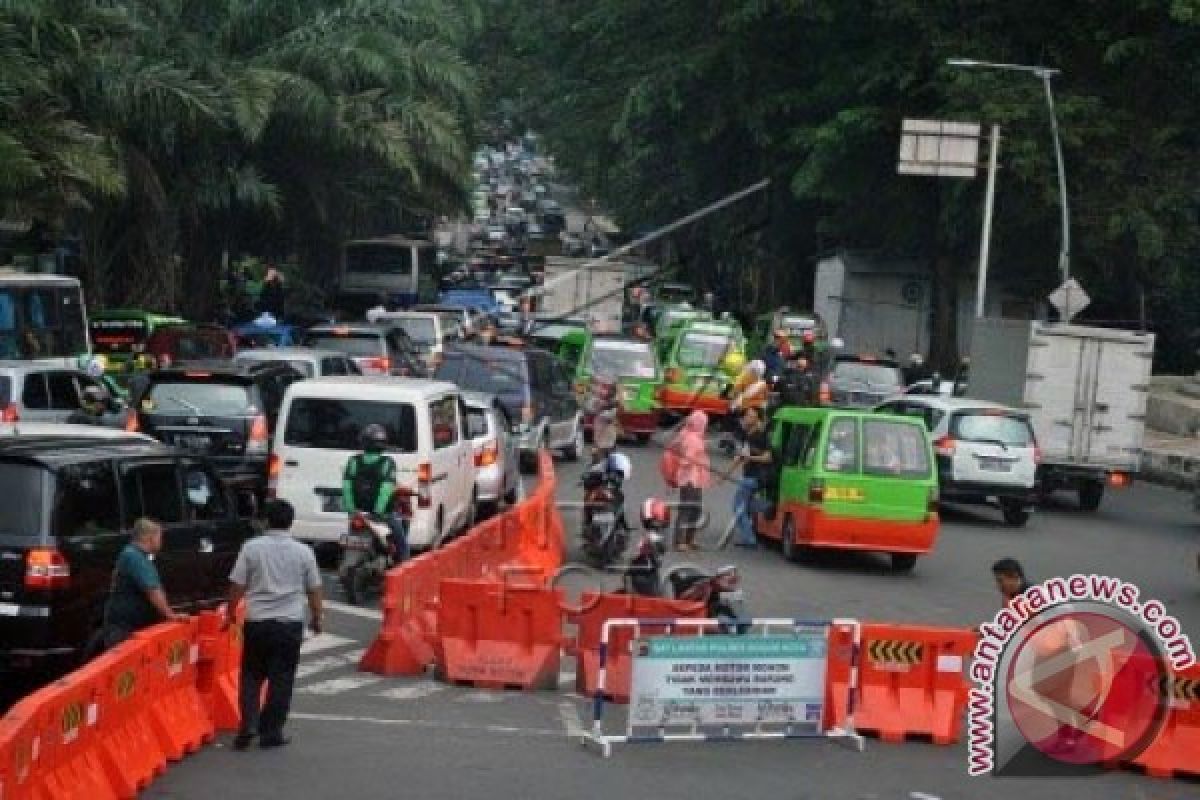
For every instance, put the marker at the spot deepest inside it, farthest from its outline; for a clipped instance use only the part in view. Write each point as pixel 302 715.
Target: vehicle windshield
pixel 26 482
pixel 866 373
pixel 41 322
pixel 623 360
pixel 200 397
pixel 704 349
pixel 891 448
pixel 420 329
pixel 360 345
pixel 335 424
pixel 482 374
pixel 1012 430
pixel 111 336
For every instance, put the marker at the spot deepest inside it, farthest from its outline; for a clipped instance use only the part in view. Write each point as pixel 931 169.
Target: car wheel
pixel 472 512
pixel 529 463
pixel 903 562
pixel 510 497
pixel 1090 495
pixel 788 547
pixel 1015 514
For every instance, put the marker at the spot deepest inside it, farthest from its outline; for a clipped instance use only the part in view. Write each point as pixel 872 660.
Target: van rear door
pixel 315 439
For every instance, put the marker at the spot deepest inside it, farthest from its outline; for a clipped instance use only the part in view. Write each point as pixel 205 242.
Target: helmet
pixel 654 543
pixel 733 362
pixel 619 462
pixel 373 438
pixel 656 514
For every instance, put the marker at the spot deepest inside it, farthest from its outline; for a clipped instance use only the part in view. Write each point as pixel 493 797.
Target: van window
pixel 212 398
pixel 841 455
pixel 24 481
pixel 476 422
pixel 85 500
pixel 1011 430
pixel 152 490
pixel 63 395
pixel 444 415
pixel 35 395
pixel 795 443
pixel 894 449
pixel 333 424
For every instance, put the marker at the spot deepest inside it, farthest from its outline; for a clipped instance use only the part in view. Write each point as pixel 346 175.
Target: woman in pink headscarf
pixel 692 477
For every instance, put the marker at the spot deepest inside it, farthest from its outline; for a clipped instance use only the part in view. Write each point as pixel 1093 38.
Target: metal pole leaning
pixel 986 242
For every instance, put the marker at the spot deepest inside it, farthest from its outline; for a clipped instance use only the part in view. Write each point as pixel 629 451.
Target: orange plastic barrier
pixel 178 716
pixel 497 636
pixel 1175 752
pixel 219 663
pixel 130 752
pixel 599 608
pixel 840 677
pixel 520 547
pixel 912 682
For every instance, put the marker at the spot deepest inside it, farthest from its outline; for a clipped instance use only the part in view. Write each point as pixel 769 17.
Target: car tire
pixel 529 463
pixel 1015 514
pixel 903 562
pixel 472 512
pixel 788 545
pixel 1090 496
pixel 510 497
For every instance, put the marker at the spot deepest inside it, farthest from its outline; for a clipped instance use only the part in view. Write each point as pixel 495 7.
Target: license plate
pixel 331 503
pixel 994 464
pixel 354 542
pixel 201 443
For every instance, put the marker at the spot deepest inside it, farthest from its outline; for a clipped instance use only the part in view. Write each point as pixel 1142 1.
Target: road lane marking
pixel 414 692
pixel 428 724
pixel 340 685
pixel 572 724
pixel 323 641
pixel 353 611
pixel 326 663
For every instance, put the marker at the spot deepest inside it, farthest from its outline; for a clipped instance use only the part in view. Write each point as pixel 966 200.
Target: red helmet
pixel 656 514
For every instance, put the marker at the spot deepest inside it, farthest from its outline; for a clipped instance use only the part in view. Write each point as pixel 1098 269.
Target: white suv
pixel 983 451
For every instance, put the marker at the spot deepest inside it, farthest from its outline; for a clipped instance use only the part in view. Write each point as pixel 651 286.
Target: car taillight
pixel 258 440
pixel 12 413
pixel 816 492
pixel 46 569
pixel 487 456
pixel 379 364
pixel 1119 480
pixel 673 375
pixel 164 361
pixel 131 423
pixel 424 485
pixel 274 470
pixel 944 447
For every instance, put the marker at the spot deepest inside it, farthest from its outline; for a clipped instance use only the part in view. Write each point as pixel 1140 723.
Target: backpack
pixel 669 467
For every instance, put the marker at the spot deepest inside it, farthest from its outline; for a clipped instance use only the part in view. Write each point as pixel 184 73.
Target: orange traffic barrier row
pixel 520 547
pixel 497 636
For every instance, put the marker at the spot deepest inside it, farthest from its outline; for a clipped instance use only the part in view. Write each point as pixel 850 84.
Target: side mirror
pixel 247 504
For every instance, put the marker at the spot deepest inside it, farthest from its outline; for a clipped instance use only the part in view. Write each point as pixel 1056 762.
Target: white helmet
pixel 619 462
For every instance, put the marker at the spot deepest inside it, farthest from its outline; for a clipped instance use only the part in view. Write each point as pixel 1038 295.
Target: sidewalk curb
pixel 1171 469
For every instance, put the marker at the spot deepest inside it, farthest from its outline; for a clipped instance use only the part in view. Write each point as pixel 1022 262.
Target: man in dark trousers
pixel 137 599
pixel 274 573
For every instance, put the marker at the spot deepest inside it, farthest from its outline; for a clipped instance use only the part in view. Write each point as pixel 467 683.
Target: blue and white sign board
pixel 699 683
pixel 729 682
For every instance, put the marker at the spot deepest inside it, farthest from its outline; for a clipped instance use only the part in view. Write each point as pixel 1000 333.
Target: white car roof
pixel 15 429
pixel 951 404
pixel 284 353
pixel 371 388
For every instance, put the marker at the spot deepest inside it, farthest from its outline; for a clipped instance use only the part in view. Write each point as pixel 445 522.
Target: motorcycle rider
pixel 94 410
pixel 368 484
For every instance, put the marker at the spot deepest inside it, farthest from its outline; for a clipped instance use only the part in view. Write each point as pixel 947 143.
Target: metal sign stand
pixel 603 742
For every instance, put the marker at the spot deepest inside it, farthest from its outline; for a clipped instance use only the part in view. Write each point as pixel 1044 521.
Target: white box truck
pixel 1085 390
pixel 581 287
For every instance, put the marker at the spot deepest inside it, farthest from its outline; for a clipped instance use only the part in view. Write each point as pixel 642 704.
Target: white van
pixel 318 431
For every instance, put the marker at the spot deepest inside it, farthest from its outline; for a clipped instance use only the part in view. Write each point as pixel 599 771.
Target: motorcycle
pixel 720 592
pixel 605 528
pixel 367 552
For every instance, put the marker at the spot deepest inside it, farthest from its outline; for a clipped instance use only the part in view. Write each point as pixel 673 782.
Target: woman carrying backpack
pixel 691 476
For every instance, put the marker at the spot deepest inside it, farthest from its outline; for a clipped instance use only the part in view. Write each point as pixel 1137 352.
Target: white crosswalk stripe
pixel 413 692
pixel 346 683
pixel 327 663
pixel 321 642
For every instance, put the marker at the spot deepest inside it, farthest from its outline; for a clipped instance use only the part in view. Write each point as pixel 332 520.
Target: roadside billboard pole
pixel 989 197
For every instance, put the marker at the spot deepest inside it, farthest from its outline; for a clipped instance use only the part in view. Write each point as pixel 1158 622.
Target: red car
pixel 179 345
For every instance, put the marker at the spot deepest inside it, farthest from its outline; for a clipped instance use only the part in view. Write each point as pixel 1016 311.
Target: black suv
pixel 226 413
pixel 74 501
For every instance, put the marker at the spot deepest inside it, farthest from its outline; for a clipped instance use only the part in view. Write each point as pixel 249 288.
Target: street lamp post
pixel 1045 74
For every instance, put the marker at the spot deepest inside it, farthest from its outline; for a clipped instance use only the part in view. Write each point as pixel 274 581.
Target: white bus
pixel 42 317
pixel 403 269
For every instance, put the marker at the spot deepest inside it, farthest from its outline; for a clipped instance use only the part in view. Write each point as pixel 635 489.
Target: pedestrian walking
pixel 136 599
pixel 755 461
pixel 693 477
pixel 274 573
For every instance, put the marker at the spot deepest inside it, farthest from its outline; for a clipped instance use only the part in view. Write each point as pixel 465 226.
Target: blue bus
pixel 402 269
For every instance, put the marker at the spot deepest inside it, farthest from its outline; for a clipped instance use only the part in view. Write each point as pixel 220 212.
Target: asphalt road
pixel 362 736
